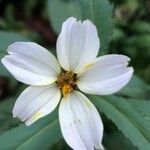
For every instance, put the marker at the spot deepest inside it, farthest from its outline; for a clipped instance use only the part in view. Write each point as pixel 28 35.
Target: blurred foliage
pixel 132 34
pixel 40 21
pixel 46 131
pixel 125 117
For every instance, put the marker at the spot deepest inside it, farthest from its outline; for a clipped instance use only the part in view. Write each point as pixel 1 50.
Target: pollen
pixel 66 81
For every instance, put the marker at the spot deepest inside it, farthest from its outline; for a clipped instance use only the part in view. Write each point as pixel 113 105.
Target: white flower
pixel 77 49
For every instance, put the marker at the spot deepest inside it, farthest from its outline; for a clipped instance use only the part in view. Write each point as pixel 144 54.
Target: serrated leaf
pixel 131 123
pixel 60 10
pixel 135 88
pixel 100 13
pixel 41 135
pixel 6 38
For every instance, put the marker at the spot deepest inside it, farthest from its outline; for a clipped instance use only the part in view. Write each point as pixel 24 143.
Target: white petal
pixel 32 64
pixel 107 75
pixel 36 102
pixel 77 44
pixel 80 122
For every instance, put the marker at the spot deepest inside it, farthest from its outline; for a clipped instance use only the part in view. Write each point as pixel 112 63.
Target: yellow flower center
pixel 66 81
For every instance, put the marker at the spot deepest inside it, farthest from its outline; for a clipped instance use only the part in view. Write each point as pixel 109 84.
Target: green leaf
pixel 131 123
pixel 100 13
pixel 135 88
pixel 60 10
pixel 41 135
pixel 6 119
pixel 6 38
pixel 142 106
pixel 6 106
pixel 115 140
pixel 61 145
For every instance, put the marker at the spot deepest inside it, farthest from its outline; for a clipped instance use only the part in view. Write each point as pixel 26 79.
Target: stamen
pixel 66 81
pixel 66 90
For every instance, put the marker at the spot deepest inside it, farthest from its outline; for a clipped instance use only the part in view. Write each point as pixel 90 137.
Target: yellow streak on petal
pixel 89 66
pixel 37 115
pixel 86 67
pixel 47 82
pixel 88 103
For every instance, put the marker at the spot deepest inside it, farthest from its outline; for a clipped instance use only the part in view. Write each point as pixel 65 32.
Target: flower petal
pixel 80 122
pixel 77 44
pixel 32 64
pixel 36 102
pixel 107 75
